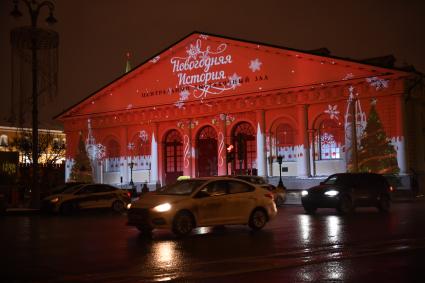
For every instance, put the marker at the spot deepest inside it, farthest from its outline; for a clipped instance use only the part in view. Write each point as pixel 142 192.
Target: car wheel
pixel 183 223
pixel 118 206
pixel 279 201
pixel 345 205
pixel 258 219
pixel 310 209
pixel 384 204
pixel 67 208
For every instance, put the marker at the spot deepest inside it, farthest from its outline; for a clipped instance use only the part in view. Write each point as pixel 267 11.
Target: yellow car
pixel 86 196
pixel 209 201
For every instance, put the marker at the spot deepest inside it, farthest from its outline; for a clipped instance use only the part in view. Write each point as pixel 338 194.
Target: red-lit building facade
pixel 176 113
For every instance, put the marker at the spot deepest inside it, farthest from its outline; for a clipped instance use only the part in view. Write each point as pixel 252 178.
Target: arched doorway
pixel 243 139
pixel 207 152
pixel 173 156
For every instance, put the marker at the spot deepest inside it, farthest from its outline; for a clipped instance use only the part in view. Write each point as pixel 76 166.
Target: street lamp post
pixel 279 160
pixel 34 9
pixel 131 147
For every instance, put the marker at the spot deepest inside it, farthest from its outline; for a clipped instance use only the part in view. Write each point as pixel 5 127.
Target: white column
pixel 261 157
pixel 154 160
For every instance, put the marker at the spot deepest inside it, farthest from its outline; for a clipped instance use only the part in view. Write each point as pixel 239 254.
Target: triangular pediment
pixel 202 67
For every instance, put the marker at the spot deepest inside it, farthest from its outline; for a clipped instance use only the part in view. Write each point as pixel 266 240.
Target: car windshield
pixel 72 189
pixel 185 187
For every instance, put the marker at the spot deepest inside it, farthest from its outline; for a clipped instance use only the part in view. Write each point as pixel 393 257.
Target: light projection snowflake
pixel 332 111
pixel 184 95
pixel 143 135
pixel 377 83
pixel 234 80
pixel 255 65
pixel 129 106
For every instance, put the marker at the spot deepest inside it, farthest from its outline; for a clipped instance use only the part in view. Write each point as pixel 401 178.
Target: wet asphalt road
pixel 98 247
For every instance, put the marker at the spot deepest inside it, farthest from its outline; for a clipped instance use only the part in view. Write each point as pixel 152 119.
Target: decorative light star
pixel 332 111
pixel 255 65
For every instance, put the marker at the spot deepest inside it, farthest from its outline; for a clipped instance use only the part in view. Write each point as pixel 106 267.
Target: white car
pixel 209 201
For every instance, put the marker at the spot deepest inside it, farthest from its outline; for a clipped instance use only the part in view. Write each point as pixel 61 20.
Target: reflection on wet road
pixel 100 248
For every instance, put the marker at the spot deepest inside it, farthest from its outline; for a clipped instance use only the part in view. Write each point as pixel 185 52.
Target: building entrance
pixel 207 152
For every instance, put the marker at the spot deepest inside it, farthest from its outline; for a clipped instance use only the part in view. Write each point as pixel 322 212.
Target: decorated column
pixel 261 141
pixel 187 145
pixel 221 148
pixel 154 155
pixel 124 155
pixel 303 163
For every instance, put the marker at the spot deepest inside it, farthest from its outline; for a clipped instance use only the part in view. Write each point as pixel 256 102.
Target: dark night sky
pixel 96 34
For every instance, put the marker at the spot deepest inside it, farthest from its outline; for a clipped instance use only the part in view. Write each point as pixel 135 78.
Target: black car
pixel 346 191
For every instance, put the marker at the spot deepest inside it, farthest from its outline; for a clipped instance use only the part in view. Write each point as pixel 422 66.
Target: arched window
pixel 112 149
pixel 244 140
pixel 285 141
pixel 329 140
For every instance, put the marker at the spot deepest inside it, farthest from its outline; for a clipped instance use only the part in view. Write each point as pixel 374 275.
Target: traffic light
pixel 230 153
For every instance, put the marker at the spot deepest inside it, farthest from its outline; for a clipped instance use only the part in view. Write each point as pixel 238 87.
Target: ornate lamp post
pixel 34 9
pixel 131 164
pixel 279 160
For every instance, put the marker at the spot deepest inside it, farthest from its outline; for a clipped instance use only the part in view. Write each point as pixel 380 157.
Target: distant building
pixel 51 142
pixel 176 113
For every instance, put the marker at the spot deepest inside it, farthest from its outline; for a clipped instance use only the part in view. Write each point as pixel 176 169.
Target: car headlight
pixel 304 193
pixel 162 207
pixel 331 193
pixel 129 205
pixel 54 200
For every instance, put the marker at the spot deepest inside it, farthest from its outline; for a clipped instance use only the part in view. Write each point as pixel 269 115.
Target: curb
pixel 21 211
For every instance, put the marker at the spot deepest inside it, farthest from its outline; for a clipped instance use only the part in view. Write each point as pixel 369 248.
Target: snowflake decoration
pixel 332 111
pixel 184 95
pixel 348 76
pixel 377 83
pixel 255 65
pixel 234 81
pixel 143 135
pixel 327 140
pixel 131 146
pixel 156 59
pixel 179 104
pixel 193 50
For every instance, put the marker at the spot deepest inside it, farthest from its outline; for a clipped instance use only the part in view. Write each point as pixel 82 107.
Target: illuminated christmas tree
pixel 376 152
pixel 81 170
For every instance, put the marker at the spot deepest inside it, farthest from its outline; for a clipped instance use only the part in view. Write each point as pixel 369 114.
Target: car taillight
pixel 269 195
pixel 128 194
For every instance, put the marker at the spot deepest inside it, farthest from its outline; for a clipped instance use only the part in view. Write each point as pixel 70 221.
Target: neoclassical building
pixel 176 113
